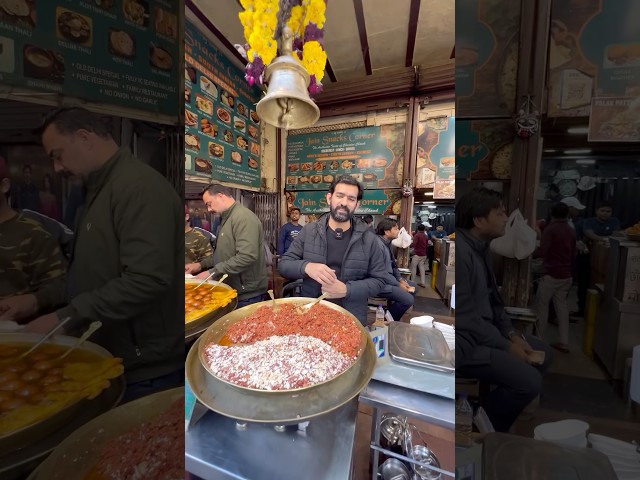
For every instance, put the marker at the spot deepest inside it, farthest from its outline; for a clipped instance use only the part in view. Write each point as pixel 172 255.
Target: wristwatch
pixel 515 333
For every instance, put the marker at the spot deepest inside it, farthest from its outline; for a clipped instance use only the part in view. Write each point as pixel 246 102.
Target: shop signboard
pixel 222 129
pixel 372 155
pixel 614 119
pixel 484 149
pixel 594 50
pixel 374 202
pixel 118 53
pixel 436 151
pixel 486 54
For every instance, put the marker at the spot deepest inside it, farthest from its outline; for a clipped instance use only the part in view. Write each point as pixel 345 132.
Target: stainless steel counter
pixel 404 401
pixel 428 408
pixel 216 449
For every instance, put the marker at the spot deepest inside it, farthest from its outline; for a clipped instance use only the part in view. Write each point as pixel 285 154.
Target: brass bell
pixel 287 103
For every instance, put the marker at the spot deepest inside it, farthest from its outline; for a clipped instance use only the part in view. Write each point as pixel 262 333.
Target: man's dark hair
pixel 368 219
pixel 421 228
pixel 560 210
pixel 69 120
pixel 294 209
pixel 553 187
pixel 215 188
pixel 477 203
pixel 604 203
pixel 348 180
pixel 385 225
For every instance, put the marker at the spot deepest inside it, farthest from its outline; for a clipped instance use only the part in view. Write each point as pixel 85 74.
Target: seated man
pixel 400 292
pixel 32 267
pixel 488 348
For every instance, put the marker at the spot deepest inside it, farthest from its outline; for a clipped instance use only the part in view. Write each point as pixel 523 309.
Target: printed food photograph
pixel 192 141
pixel 18 12
pixel 254 117
pixel 204 104
pixel 253 163
pixel 236 157
pixel 255 149
pixel 253 131
pixel 190 118
pixel 209 128
pixel 203 165
pixel 43 64
pixel 73 27
pixel 227 99
pixel 160 57
pixel 242 110
pixel 208 87
pixel 136 11
pixel 223 115
pixel 242 143
pixel 166 23
pixel 121 43
pixel 239 123
pixel 216 150
pixel 190 74
pixel 187 95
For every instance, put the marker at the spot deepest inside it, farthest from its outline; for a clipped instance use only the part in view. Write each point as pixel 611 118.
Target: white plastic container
pixel 569 433
pixel 424 321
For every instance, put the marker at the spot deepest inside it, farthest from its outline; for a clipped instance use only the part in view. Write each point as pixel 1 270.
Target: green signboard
pixel 484 149
pixel 372 155
pixel 594 51
pixel 436 151
pixel 222 129
pixel 113 52
pixel 487 43
pixel 375 202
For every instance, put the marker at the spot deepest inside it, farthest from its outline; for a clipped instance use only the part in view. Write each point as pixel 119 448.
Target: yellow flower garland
pixel 314 59
pixel 259 22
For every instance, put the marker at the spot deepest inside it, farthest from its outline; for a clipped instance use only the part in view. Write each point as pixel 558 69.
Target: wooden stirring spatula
pixel 305 308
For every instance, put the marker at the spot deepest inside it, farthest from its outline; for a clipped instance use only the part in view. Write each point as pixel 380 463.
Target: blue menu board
pixel 122 52
pixel 222 128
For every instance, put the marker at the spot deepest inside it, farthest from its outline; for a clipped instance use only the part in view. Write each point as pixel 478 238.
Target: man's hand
pixel 405 286
pixel 42 324
pixel 203 275
pixel 18 308
pixel 192 268
pixel 321 274
pixel 519 348
pixel 336 289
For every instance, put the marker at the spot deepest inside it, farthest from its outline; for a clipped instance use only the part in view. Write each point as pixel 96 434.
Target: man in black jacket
pixel 399 292
pixel 127 262
pixel 338 255
pixel 488 348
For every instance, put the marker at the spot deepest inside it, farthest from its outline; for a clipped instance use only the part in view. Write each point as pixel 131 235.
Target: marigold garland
pixel 306 20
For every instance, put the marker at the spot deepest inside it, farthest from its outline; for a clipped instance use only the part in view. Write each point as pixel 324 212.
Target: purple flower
pixel 254 71
pixel 312 32
pixel 314 86
pixel 297 43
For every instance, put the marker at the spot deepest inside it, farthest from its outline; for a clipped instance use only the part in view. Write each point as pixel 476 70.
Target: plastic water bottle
pixel 379 314
pixel 464 416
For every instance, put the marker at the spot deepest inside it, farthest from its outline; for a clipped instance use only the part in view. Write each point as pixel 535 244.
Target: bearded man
pixel 337 255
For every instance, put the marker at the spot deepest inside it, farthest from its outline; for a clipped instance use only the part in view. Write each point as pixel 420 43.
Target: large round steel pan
pixel 32 433
pixel 195 328
pixel 277 406
pixel 74 457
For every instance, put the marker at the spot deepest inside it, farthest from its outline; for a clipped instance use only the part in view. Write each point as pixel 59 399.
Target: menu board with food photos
pixel 121 52
pixel 374 202
pixel 486 54
pixel 372 155
pixel 222 128
pixel 436 152
pixel 594 51
pixel 484 149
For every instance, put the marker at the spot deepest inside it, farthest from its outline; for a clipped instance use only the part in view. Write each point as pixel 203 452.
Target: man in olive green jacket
pixel 126 267
pixel 239 249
